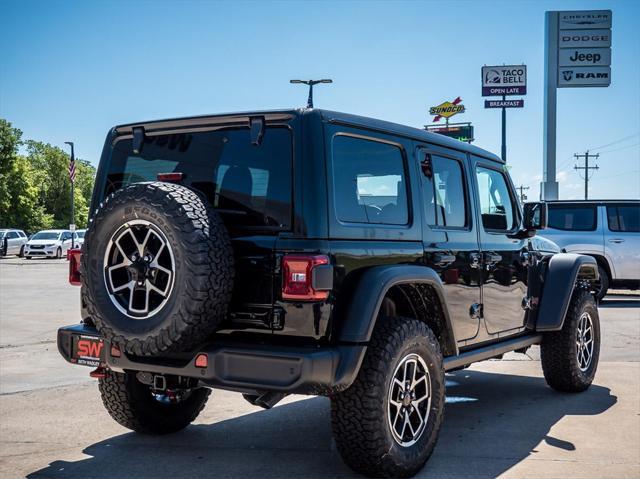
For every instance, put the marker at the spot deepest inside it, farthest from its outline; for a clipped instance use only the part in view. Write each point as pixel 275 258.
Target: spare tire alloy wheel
pixel 139 269
pixel 157 269
pixel 409 400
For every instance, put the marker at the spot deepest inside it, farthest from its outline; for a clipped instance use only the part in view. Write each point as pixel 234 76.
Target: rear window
pixel 572 218
pixel 625 218
pixel 249 185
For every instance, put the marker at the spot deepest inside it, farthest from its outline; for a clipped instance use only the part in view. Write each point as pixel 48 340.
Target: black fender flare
pixel 563 270
pixel 366 301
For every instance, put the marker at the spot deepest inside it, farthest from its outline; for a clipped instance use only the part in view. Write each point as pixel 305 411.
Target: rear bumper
pixel 242 367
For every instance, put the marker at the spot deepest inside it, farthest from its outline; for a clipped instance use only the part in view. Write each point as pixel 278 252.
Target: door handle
pixel 616 240
pixel 491 259
pixel 443 259
pixel 474 260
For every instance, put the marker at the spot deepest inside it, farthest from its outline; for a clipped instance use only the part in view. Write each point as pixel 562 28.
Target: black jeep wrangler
pixel 315 252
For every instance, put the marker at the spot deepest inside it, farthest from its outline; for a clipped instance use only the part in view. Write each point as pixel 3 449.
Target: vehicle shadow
pixel 493 421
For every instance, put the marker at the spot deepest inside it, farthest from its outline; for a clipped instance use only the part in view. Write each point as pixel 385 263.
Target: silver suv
pixel 608 230
pixel 12 242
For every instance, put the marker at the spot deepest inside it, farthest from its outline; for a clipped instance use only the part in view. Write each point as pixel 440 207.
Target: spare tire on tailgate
pixel 157 269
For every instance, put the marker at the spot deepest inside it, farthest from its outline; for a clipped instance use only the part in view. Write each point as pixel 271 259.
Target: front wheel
pixel 387 423
pixel 58 253
pixel 135 406
pixel 604 283
pixel 570 356
pixel 21 254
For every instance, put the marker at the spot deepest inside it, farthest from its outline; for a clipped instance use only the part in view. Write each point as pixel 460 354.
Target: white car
pixel 48 244
pixel 79 238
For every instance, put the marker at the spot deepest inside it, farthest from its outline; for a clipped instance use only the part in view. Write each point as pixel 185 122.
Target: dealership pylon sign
pixel 577 55
pixel 584 49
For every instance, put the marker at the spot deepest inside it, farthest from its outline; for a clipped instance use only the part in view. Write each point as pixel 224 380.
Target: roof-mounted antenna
pixel 311 83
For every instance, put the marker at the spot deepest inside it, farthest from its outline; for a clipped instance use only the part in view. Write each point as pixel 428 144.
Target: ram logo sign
pixel 584 77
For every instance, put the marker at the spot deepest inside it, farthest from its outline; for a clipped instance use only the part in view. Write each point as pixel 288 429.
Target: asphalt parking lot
pixel 500 420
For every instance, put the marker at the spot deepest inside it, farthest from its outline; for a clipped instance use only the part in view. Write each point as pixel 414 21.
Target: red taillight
pixel 202 361
pixel 74 266
pixel 298 282
pixel 115 351
pixel 175 176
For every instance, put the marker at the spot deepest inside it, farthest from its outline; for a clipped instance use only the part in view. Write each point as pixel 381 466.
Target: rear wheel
pixel 570 356
pixel 135 406
pixel 387 423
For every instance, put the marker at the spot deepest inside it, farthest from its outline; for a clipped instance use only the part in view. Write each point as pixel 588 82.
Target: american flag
pixel 72 170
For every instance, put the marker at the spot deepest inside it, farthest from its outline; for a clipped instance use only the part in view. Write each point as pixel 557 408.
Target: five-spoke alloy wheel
pixel 139 269
pixel 409 400
pixel 584 341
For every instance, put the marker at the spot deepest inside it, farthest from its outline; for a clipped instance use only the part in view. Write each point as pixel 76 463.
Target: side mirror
pixel 534 216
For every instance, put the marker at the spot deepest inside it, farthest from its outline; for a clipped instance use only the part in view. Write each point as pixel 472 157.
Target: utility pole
pixel 72 179
pixel 504 131
pixel 586 169
pixel 311 83
pixel 522 189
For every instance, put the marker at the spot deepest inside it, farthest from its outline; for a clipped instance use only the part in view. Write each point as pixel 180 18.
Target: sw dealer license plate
pixel 87 350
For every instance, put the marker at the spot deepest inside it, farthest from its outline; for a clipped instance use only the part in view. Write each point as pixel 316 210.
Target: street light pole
pixel 73 159
pixel 311 83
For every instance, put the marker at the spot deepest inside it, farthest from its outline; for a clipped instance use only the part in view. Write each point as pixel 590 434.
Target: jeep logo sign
pixel 584 77
pixel 584 38
pixel 568 57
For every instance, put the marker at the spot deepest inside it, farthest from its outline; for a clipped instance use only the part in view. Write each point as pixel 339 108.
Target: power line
pixel 614 142
pixel 586 169
pixel 621 148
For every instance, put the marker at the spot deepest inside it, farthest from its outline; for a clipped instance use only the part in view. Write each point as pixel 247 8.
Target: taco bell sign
pixel 504 80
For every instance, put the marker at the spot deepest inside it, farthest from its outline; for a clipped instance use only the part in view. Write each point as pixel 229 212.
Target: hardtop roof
pixel 326 115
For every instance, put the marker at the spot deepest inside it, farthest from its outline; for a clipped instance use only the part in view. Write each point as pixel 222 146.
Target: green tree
pixel 35 189
pixel 52 174
pixel 10 141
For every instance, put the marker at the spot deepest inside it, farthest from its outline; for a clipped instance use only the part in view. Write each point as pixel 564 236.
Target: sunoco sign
pixel 447 109
pixel 504 80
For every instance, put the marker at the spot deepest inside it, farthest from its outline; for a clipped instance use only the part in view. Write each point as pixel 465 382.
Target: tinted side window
pixel 625 218
pixel 496 204
pixel 447 199
pixel 12 235
pixel 572 218
pixel 369 182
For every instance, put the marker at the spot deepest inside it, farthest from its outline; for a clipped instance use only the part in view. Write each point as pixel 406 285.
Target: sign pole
pixel 504 131
pixel 549 185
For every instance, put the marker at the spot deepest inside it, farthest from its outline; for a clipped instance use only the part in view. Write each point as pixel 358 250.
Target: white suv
pixel 48 244
pixel 12 241
pixel 608 230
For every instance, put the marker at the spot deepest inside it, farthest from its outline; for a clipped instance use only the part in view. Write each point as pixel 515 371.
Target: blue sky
pixel 70 70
